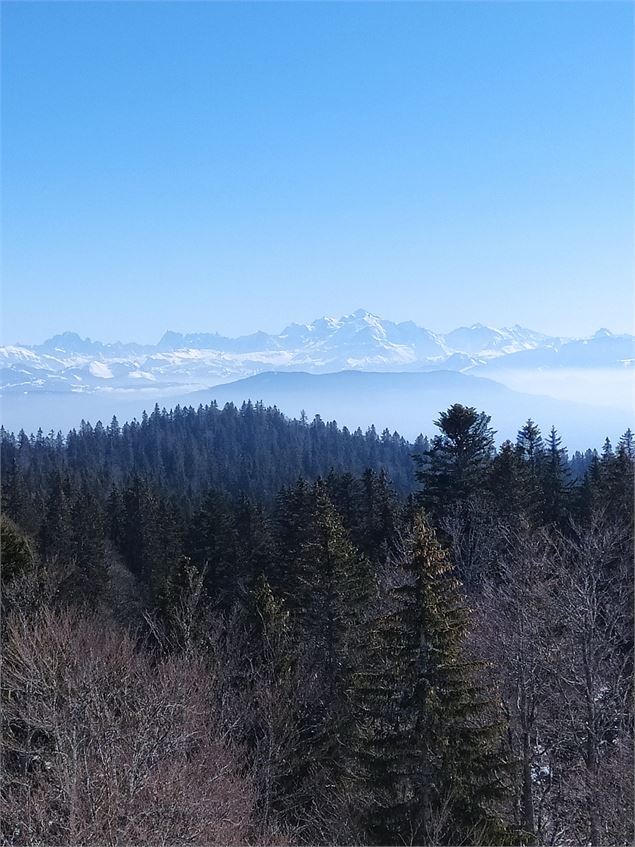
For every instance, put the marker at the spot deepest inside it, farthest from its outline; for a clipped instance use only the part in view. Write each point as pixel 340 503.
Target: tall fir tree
pixel 529 442
pixel 87 543
pixel 55 534
pixel 556 484
pixel 213 544
pixel 456 465
pixel 425 760
pixel 324 574
pixel 618 481
pixel 508 483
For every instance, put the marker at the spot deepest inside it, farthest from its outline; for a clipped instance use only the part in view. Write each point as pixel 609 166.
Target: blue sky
pixel 210 166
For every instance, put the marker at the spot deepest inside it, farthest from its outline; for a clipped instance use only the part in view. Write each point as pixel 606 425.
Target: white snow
pixel 361 341
pixel 142 375
pixel 100 370
pixel 13 353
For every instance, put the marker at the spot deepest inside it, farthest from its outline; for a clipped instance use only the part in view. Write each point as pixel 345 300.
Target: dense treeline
pixel 221 626
pixel 252 450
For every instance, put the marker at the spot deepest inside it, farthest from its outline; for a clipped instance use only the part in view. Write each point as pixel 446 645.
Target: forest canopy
pixel 225 626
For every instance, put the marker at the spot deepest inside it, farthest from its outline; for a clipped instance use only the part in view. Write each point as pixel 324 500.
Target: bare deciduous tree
pixel 514 632
pixel 103 744
pixel 591 716
pixel 556 630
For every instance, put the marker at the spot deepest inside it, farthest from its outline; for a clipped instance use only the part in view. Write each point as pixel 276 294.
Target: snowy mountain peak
pixel 367 317
pixel 358 341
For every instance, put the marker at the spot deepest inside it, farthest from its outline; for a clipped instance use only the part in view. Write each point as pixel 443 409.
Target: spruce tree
pixel 18 502
pixel 56 530
pixel 618 481
pixel 254 545
pixel 87 544
pixel 425 759
pixel 213 543
pixel 324 574
pixel 529 442
pixel 378 515
pixel 325 589
pixel 626 445
pixel 531 449
pixel 182 605
pixel 508 483
pixel 556 485
pixel 456 465
pixel 464 774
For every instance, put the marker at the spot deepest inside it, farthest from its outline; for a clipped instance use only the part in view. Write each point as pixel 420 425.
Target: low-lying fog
pixel 606 387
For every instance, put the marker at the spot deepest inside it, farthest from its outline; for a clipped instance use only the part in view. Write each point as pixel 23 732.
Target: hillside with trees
pixel 222 626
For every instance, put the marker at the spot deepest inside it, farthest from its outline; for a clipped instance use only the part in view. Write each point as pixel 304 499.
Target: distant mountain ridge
pixel 361 341
pixel 409 402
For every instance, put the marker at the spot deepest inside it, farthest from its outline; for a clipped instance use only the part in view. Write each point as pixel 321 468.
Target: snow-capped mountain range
pixel 360 341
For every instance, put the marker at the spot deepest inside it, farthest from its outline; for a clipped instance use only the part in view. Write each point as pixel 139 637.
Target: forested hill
pixel 335 664
pixel 251 450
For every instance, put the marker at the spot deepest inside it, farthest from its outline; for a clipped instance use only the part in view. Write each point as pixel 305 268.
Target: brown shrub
pixel 105 744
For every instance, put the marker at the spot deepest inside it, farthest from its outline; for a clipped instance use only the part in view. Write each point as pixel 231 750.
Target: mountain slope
pixel 410 402
pixel 360 341
pixel 68 377
pixel 602 350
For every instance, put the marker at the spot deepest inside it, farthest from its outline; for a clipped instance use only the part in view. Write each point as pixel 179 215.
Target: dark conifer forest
pixel 222 626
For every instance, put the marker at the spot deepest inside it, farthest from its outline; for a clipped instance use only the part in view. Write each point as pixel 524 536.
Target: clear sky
pixel 232 167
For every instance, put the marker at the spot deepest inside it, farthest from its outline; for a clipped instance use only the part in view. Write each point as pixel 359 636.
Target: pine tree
pixel 618 480
pixel 56 531
pixel 325 583
pixel 213 543
pixel 425 760
pixel 509 483
pixel 324 575
pixel 254 545
pixel 87 543
pixel 17 501
pixel 456 465
pixel 556 485
pixel 369 509
pixel 626 446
